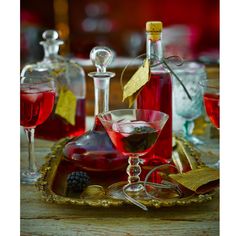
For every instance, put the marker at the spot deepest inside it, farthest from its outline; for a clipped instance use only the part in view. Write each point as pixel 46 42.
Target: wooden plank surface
pixel 41 218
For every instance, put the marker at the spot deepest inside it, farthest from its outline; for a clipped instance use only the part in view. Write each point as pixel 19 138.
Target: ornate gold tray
pixel 52 183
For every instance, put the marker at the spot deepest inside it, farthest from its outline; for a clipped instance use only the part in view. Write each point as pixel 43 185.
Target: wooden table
pixel 41 218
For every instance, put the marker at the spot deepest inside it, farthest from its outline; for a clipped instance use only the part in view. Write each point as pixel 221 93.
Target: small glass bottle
pixel 69 76
pixel 94 151
pixel 156 94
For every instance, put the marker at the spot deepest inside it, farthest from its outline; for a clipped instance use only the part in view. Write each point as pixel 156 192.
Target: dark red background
pixel 202 16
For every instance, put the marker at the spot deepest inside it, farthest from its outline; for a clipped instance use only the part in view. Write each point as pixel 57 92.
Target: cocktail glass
pixel 133 132
pixel 37 95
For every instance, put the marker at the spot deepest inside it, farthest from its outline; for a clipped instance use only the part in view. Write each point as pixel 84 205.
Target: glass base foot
pixel 194 140
pixel 135 191
pixel 28 177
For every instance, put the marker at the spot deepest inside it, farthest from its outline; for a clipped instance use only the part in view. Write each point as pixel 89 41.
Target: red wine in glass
pixel 35 105
pixel 212 105
pixel 49 129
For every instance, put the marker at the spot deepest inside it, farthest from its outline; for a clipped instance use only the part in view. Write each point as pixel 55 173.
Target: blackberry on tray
pixel 77 181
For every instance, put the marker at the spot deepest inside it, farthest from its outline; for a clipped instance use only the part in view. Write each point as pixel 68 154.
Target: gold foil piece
pixel 66 105
pixel 93 191
pixel 201 180
pixel 137 81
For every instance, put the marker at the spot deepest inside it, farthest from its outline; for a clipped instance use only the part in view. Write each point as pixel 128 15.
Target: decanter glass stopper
pixel 101 57
pixel 51 37
pixel 50 34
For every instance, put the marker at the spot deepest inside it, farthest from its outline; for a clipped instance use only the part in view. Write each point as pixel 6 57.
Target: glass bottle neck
pixel 101 88
pixel 50 51
pixel 154 48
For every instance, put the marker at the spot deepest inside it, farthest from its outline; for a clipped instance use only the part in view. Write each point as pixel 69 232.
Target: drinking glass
pixel 134 133
pixel 37 95
pixel 191 74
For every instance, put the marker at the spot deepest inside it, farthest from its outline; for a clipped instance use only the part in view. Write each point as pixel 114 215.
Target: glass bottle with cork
pixel 156 94
pixel 68 116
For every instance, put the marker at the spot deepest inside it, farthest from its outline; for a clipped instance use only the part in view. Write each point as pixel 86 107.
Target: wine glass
pixel 37 95
pixel 191 74
pixel 133 132
pixel 211 97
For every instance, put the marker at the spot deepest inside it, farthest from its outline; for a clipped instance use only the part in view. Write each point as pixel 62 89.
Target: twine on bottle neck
pixel 176 60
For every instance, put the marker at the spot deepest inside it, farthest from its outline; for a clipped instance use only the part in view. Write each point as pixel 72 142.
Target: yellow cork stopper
pixel 153 26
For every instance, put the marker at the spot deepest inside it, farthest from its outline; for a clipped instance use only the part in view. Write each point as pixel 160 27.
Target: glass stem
pixel 133 170
pixel 30 137
pixel 188 128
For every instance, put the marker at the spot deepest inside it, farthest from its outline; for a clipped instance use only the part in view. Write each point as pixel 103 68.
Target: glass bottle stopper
pixel 101 57
pixel 51 37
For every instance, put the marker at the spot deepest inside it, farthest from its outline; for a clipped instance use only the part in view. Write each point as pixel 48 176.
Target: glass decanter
pixel 70 83
pixel 94 151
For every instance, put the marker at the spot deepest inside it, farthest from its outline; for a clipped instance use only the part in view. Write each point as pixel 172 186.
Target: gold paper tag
pixel 66 105
pixel 137 81
pixel 198 180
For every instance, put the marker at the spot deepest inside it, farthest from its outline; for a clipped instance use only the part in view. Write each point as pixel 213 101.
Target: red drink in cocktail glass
pixel 141 140
pixel 37 95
